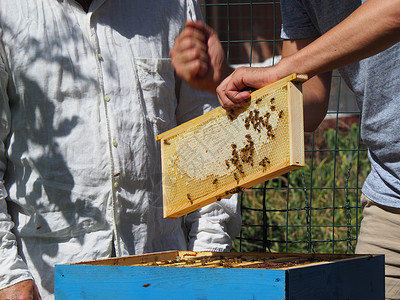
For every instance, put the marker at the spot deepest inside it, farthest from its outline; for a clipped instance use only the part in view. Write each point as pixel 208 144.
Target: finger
pixel 239 98
pixel 187 49
pixel 201 27
pixel 231 94
pixel 225 102
pixel 186 60
pixel 233 99
pixel 189 42
pixel 198 25
pixel 193 33
pixel 190 70
pixel 188 55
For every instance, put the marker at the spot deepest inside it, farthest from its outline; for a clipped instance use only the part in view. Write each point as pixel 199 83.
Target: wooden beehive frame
pixel 223 152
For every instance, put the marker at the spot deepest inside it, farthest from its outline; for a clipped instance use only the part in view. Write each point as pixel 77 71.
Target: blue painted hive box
pixel 210 275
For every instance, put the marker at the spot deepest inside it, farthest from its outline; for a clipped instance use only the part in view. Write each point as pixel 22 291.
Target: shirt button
pixel 99 57
pixel 116 184
pixel 107 98
pixel 115 143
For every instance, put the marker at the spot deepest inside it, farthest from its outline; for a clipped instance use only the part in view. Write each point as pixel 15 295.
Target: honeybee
pixel 236 176
pixel 235 159
pixel 240 169
pixel 264 162
pixel 227 164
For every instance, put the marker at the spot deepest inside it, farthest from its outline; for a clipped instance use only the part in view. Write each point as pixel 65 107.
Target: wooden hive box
pixel 209 275
pixel 223 152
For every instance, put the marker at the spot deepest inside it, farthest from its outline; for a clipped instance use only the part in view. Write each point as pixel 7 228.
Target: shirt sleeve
pixel 296 23
pixel 214 227
pixel 193 11
pixel 12 268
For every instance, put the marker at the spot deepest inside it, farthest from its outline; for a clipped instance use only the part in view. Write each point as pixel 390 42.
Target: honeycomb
pixel 227 152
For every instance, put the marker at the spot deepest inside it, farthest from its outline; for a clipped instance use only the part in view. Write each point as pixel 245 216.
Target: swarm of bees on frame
pixel 241 156
pixel 256 121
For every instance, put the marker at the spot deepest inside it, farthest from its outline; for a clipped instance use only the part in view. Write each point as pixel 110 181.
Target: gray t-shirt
pixel 376 84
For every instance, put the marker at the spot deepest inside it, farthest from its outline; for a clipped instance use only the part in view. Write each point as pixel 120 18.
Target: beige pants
pixel 380 234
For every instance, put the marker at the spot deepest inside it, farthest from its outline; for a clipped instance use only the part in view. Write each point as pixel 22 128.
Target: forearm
pixel 372 28
pixel 316 90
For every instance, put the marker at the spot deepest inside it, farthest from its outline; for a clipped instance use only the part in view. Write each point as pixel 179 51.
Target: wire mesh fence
pixel 315 208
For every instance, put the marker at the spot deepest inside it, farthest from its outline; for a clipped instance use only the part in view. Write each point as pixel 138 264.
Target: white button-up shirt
pixel 82 97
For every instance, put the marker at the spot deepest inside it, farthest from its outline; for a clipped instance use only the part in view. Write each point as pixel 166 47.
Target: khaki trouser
pixel 380 234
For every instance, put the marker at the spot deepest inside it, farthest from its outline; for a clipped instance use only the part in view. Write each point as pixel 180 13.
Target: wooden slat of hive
pixel 250 260
pixel 223 152
pixel 193 259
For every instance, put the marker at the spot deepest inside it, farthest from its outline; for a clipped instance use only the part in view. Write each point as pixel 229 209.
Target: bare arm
pixel 315 91
pixel 373 27
pixel 24 290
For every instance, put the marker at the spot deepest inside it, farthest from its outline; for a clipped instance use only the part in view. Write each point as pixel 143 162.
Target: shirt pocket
pixel 64 212
pixel 156 82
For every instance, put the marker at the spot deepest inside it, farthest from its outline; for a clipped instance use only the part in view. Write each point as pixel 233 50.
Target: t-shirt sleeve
pixel 296 23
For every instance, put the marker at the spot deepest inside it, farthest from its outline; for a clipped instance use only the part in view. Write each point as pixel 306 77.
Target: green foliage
pixel 314 208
